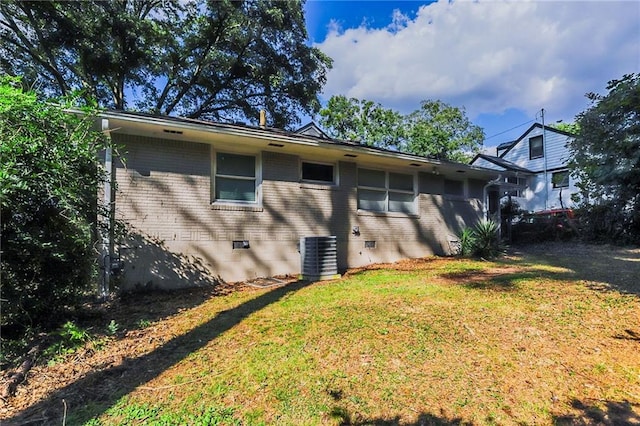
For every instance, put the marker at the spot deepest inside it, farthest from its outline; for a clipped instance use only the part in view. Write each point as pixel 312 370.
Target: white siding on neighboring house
pixel 533 199
pixel 555 151
pixel 540 186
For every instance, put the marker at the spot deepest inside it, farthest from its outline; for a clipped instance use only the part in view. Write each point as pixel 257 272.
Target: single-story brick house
pixel 231 201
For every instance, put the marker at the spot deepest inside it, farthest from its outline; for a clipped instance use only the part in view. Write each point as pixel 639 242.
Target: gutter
pixel 276 136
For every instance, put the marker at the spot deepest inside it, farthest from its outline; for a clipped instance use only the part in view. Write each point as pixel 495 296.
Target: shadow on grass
pixel 601 267
pixel 628 335
pixel 94 393
pixel 611 413
pixel 608 413
pixel 488 280
pixel 424 419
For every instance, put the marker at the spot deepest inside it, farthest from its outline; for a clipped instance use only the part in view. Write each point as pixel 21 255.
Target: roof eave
pixel 278 136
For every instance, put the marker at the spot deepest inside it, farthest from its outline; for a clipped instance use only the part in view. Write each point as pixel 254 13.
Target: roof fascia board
pixel 509 167
pixel 299 139
pixel 521 138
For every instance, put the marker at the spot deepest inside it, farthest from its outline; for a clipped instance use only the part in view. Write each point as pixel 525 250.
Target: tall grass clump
pixel 483 240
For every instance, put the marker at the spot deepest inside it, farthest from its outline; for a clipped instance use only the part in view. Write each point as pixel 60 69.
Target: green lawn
pixel 523 340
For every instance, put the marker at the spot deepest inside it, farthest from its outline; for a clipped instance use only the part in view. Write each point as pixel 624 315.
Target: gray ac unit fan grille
pixel 319 257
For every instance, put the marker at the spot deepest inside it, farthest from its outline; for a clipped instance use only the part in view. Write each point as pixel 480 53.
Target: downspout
pixel 106 252
pixel 544 154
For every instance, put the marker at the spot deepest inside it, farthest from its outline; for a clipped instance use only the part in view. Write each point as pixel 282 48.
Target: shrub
pixel 48 187
pixel 609 222
pixel 71 337
pixel 481 241
pixel 467 242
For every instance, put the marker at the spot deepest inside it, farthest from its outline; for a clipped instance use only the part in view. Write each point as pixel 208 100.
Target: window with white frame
pixel 382 191
pixel 560 179
pixel 235 178
pixel 516 181
pixel 322 173
pixel 536 148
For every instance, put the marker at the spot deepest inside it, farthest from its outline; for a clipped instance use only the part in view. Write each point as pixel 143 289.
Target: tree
pixel 442 131
pixel 606 159
pixel 48 186
pixel 435 130
pixel 361 120
pixel 567 127
pixel 195 58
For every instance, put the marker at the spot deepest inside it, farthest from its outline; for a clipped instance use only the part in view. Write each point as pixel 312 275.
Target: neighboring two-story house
pixel 539 158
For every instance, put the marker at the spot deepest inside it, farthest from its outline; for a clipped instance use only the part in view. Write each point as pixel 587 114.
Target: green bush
pixel 609 222
pixel 467 242
pixel 71 337
pixel 481 241
pixel 487 239
pixel 49 177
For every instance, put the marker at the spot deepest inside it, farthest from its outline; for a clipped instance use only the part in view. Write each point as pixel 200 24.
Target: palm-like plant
pixel 481 241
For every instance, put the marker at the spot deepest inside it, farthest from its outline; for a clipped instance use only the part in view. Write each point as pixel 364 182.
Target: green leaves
pixel 363 121
pixel 606 158
pixel 482 240
pixel 442 131
pixel 195 58
pixel 435 130
pixel 48 188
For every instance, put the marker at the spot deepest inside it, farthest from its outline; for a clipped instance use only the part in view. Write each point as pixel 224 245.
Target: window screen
pixel 401 202
pixel 401 182
pixel 371 178
pixel 372 200
pixel 235 178
pixel 536 149
pixel 236 165
pixel 560 179
pixel 315 172
pixel 382 191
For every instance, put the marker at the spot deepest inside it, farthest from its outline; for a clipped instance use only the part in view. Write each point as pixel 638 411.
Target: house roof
pixel 268 138
pixel 312 129
pixel 533 126
pixel 505 145
pixel 507 165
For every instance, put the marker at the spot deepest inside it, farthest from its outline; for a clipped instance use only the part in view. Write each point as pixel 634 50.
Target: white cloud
pixel 489 56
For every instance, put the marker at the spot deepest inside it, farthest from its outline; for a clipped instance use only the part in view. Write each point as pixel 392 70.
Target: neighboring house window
pixel 382 191
pixel 318 172
pixel 454 187
pixel 518 181
pixel 235 178
pixel 560 179
pixel 536 150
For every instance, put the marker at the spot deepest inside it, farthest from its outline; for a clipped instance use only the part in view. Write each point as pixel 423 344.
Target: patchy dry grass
pixel 547 336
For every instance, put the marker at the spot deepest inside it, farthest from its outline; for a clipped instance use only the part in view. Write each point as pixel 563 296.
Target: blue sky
pixel 503 61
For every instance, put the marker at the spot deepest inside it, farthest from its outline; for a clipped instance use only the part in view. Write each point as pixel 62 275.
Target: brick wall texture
pixel 179 238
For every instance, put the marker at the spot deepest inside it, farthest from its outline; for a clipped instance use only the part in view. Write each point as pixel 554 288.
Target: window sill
pixel 229 207
pixel 319 186
pixel 388 214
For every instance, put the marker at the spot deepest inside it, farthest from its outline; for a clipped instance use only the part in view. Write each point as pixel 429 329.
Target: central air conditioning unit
pixel 319 258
